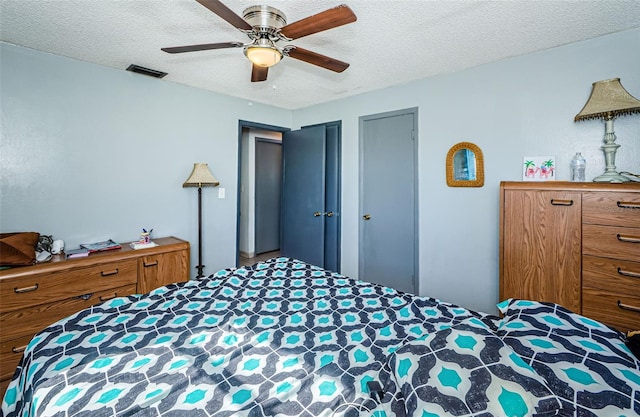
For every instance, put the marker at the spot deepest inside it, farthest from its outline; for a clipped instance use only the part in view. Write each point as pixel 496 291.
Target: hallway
pixel 258 258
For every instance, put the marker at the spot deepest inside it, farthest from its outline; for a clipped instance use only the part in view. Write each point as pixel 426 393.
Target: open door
pixel 310 195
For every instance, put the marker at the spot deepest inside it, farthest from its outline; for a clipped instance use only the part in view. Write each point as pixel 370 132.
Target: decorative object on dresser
pixel 34 297
pixel 539 168
pixel 574 244
pixel 200 177
pixel 57 247
pixel 608 100
pixel 145 240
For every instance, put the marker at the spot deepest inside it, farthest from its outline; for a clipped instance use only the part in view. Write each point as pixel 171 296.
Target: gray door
pixel 303 195
pixel 268 183
pixel 388 200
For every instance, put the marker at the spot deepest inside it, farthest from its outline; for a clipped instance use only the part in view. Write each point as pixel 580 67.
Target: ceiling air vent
pixel 146 71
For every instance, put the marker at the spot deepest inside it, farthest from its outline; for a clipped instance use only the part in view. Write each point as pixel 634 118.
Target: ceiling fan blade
pixel 316 59
pixel 226 13
pixel 329 19
pixel 259 73
pixel 202 47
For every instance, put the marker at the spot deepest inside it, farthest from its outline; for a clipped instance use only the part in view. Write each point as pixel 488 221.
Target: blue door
pixel 310 228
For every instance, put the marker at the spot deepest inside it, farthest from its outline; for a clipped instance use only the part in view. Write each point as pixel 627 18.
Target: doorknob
pixel 330 214
pixel 317 214
pixel 367 217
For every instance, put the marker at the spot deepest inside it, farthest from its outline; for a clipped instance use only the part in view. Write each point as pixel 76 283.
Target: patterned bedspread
pixel 284 338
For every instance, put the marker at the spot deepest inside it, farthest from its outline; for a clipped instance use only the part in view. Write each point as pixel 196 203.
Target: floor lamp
pixel 200 177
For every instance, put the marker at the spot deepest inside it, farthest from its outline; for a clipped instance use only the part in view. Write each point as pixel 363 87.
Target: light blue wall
pixel 89 153
pixel 518 107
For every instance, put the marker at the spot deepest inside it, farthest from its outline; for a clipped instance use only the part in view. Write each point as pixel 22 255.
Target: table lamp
pixel 608 100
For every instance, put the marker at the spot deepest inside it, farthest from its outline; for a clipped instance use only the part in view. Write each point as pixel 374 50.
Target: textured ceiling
pixel 391 43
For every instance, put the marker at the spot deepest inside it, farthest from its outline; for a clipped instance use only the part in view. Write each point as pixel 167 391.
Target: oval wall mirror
pixel 465 166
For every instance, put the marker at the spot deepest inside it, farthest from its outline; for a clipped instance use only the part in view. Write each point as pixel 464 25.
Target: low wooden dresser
pixel 574 244
pixel 33 297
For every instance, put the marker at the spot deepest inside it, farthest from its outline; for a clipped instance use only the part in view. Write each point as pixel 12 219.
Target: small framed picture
pixel 539 168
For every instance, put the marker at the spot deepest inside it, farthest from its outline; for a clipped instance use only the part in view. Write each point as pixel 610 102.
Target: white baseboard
pixel 247 254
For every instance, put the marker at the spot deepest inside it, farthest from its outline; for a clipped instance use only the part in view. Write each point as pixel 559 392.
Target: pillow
pixel 541 316
pixel 531 326
pixel 583 361
pixel 18 248
pixel 467 371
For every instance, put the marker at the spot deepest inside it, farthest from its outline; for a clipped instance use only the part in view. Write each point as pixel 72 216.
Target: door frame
pixel 242 124
pixel 416 208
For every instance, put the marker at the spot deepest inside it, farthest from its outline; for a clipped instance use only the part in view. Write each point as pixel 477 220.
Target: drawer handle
pixel 84 297
pixel 561 202
pixel 18 349
pixel 109 297
pixel 25 289
pixel 628 307
pixel 624 204
pixel 629 239
pixel 109 273
pixel 146 265
pixel 628 273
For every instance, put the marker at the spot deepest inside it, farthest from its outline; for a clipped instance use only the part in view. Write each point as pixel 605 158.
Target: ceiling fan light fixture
pixel 263 55
pixel 265 26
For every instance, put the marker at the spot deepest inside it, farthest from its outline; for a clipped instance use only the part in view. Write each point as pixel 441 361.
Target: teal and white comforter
pixel 284 338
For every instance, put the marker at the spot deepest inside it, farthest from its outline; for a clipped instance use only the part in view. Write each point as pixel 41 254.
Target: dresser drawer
pixel 10 354
pixel 611 291
pixel 28 321
pixel 612 209
pixel 613 275
pixel 619 311
pixel 28 291
pixel 611 242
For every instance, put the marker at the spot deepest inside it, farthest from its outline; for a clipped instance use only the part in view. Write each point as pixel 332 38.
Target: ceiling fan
pixel 266 26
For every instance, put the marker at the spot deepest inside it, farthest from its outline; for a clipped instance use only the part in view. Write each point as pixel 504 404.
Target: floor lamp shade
pixel 200 177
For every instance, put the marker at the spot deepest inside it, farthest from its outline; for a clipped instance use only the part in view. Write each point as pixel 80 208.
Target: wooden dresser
pixel 575 244
pixel 33 297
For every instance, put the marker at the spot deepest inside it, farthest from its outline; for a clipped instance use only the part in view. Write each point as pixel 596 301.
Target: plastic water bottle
pixel 578 165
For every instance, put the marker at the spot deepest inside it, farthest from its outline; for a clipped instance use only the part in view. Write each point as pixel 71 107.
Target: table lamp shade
pixel 608 99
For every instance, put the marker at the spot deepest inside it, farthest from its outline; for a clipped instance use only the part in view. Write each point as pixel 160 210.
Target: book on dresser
pixel 101 246
pixel 76 253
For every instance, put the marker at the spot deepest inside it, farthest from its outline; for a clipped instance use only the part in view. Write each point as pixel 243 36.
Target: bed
pixel 284 338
